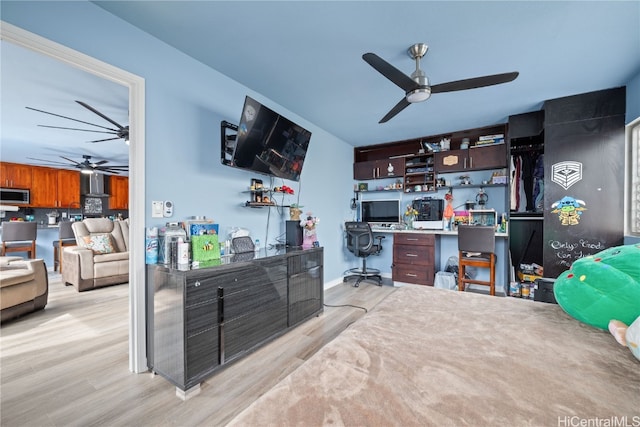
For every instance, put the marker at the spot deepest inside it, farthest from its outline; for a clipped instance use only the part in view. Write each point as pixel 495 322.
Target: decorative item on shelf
pixel 483 217
pixel 465 180
pixel 445 144
pixel 410 215
pixel 363 186
pixel 294 212
pixel 284 189
pixel 499 178
pixel 431 146
pixel 482 198
pixel 309 237
pixel 464 144
pixel 256 185
pixel 448 211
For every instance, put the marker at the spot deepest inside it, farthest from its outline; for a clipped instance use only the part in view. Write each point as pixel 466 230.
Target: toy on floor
pixel 602 287
pixel 627 335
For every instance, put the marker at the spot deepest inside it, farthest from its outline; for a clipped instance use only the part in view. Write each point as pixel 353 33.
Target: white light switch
pixel 157 208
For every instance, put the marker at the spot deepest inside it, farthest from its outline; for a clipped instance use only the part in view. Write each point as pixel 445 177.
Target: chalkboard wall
pixel 583 176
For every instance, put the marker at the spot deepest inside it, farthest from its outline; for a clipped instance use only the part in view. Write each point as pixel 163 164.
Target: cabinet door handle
pixel 465 163
pixel 412 240
pixel 411 275
pixel 412 255
pixel 471 162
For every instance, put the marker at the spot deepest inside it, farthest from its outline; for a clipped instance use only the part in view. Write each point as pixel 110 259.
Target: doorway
pixel 136 85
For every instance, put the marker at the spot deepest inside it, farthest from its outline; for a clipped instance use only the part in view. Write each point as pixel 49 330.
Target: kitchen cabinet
pixel 68 188
pixel 44 191
pixel 378 169
pixel 119 192
pixel 14 175
pixel 472 159
pixel 54 188
pixel 414 258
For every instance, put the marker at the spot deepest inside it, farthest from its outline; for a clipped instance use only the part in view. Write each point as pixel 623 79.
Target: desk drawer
pixel 418 274
pixel 413 255
pixel 417 239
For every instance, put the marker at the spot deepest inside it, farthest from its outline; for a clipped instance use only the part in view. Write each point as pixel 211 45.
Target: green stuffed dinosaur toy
pixel 603 290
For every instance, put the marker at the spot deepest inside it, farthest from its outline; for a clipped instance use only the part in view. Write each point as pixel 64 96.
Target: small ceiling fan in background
pixel 416 86
pixel 119 132
pixel 87 166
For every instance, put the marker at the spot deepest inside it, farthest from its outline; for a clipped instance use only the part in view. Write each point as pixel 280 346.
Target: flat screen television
pixel 267 143
pixel 378 212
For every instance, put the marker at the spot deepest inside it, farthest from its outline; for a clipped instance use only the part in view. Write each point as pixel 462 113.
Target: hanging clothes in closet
pixel 527 180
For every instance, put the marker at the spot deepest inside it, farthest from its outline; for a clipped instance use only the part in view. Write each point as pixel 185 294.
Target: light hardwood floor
pixel 68 365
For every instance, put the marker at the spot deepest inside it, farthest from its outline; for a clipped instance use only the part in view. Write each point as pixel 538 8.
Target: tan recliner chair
pixel 101 257
pixel 24 286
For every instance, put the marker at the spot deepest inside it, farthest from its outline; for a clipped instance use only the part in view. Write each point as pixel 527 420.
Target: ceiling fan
pixel 87 166
pixel 416 86
pixel 120 132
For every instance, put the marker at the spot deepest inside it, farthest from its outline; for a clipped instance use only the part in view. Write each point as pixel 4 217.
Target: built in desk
pixel 418 254
pixel 201 319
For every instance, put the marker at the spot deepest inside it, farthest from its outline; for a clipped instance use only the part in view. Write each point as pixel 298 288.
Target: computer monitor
pixel 381 212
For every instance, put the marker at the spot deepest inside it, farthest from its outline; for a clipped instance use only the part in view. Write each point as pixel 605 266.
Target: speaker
pixel 294 233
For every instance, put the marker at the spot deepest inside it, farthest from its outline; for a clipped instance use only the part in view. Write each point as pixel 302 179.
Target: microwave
pixel 14 196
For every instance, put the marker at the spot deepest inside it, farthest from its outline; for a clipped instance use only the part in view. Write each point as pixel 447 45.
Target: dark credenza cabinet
pixel 201 319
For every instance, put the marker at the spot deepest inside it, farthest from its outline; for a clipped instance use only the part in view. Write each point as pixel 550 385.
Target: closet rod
pixel 528 147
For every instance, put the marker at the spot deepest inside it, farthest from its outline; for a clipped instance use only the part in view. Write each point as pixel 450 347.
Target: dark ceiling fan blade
pixel 102 140
pixel 48 161
pixel 474 83
pixel 84 130
pixel 100 163
pixel 115 172
pixel 395 110
pixel 115 167
pixel 69 118
pixel 71 160
pixel 389 71
pixel 93 110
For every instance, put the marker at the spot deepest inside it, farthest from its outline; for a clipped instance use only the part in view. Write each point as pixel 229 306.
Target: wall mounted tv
pixel 266 143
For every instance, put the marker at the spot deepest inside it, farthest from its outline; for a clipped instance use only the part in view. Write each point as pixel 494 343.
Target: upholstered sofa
pixel 101 257
pixel 24 286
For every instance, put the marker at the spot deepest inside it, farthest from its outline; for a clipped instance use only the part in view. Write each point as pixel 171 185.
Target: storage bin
pixel 544 290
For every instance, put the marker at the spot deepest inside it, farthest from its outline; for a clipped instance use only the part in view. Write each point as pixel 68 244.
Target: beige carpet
pixel 428 356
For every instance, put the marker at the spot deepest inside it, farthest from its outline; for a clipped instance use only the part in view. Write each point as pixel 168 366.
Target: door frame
pixel 136 85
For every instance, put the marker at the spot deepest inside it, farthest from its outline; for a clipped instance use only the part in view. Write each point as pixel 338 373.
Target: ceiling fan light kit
pixel 416 86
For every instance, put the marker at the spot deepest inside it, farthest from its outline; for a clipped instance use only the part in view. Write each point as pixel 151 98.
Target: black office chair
pixel 360 241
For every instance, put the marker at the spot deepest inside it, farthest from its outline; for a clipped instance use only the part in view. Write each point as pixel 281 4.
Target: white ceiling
pixel 307 57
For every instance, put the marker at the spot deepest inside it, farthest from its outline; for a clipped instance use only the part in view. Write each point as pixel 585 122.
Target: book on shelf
pixel 491 137
pixel 489 142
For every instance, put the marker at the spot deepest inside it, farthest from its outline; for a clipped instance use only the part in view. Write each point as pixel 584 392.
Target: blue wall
pixel 633 99
pixel 185 102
